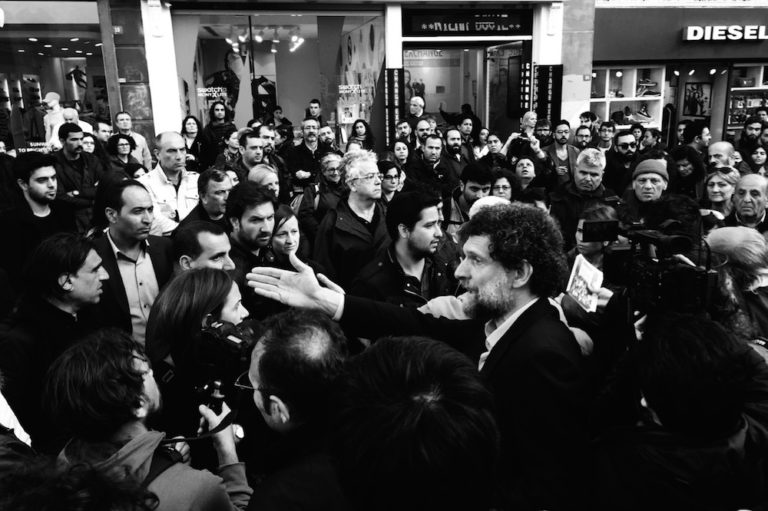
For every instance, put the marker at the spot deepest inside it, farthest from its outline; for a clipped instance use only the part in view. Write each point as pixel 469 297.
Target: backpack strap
pixel 163 458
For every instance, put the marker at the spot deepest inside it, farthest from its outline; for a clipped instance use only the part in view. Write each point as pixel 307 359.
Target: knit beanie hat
pixel 652 167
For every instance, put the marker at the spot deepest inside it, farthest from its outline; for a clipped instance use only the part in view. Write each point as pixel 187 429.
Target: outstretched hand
pixel 296 289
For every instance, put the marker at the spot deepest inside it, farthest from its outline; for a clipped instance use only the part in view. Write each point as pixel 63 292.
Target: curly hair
pixel 519 234
pixel 115 139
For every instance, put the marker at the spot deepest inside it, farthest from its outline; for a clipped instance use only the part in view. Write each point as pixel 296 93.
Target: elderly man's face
pixel 750 199
pixel 649 186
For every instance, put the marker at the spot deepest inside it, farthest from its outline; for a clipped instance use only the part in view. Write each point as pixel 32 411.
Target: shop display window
pixel 748 90
pixel 50 60
pixel 627 95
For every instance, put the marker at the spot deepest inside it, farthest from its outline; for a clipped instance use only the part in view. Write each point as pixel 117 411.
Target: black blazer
pixel 537 375
pixel 112 310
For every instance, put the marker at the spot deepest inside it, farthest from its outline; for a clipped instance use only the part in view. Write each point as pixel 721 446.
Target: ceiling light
pixel 89 53
pixel 47 45
pixel 21 51
pixel 32 39
pixel 260 37
pixel 676 72
pixel 64 49
pixel 40 53
pixel 294 35
pixel 690 73
pixel 712 71
pixel 242 38
pixel 466 49
pixel 97 44
pixel 228 40
pixel 74 39
pixel 724 71
pixel 619 74
pixel 78 51
pixel 274 48
pixel 275 38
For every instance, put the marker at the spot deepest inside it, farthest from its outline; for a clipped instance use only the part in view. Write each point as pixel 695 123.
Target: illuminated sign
pixel 725 33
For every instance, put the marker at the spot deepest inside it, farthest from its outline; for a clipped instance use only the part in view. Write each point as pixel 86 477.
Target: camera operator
pixel 183 347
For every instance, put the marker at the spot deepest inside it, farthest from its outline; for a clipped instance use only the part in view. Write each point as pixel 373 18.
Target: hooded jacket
pixel 179 487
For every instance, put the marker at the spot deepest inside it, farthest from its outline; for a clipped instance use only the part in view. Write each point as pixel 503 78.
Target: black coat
pixel 113 310
pixel 537 376
pixel 343 245
pixel 29 343
pixel 70 179
pixel 568 204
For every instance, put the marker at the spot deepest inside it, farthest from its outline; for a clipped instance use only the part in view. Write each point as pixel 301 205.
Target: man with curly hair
pixel 513 260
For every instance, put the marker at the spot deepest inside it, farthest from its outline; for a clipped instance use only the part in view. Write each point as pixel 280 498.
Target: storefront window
pixel 50 60
pixel 288 59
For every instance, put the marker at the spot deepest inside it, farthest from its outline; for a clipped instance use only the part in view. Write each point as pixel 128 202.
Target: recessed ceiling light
pixel 78 51
pixel 41 54
pixel 64 49
pixel 97 44
pixel 47 45
pixel 89 53
pixel 33 39
pixel 21 51
pixel 74 39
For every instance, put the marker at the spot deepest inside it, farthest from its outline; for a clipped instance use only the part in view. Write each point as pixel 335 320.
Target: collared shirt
pixel 171 204
pixel 141 152
pixel 494 333
pixel 140 283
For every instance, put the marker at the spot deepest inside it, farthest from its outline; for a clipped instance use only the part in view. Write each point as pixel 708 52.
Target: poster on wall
pixel 131 65
pixel 698 99
pixel 434 75
pixel 362 63
pixel 136 100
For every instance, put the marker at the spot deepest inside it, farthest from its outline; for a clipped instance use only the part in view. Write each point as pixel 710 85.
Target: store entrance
pixel 487 78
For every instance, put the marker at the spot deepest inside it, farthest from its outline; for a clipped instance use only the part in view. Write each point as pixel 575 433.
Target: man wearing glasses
pixel 619 160
pixel 352 233
pixel 604 140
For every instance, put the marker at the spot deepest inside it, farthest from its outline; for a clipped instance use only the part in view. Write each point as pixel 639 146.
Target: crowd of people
pixel 244 318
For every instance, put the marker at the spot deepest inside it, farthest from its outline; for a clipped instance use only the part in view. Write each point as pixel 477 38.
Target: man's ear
pixel 235 223
pixel 403 231
pixel 111 215
pixel 22 184
pixel 279 409
pixel 521 276
pixel 65 282
pixel 185 262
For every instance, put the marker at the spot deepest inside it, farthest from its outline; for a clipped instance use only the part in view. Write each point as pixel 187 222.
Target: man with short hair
pixel 475 183
pixel 721 155
pixel 353 232
pixel 295 368
pixel 252 150
pixel 429 171
pixel 251 214
pixel 304 159
pixel 71 116
pixel 422 130
pixel 77 173
pixel 589 119
pixel 315 111
pixel 513 260
pixel 404 132
pixel 697 136
pixel 649 181
pixel 407 273
pixel 213 187
pixel 416 111
pixel 619 160
pixel 562 153
pixel 586 190
pixel 583 138
pixel 103 132
pixel 465 127
pixel 543 132
pixel 36 217
pixel 173 188
pixel 138 263
pixel 102 390
pixel 761 113
pixel 749 201
pixel 604 140
pixel 416 428
pixel 326 137
pixel 64 276
pixel 201 244
pixel 124 125
pixel 454 155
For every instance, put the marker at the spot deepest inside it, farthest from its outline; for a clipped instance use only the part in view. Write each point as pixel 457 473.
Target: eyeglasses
pixel 332 170
pixel 244 383
pixel 562 132
pixel 502 188
pixel 626 146
pixel 370 177
pixel 389 178
pixel 124 144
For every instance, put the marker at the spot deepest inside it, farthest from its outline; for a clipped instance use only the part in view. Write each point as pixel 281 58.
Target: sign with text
pixel 393 101
pixel 463 23
pixel 548 91
pixel 726 33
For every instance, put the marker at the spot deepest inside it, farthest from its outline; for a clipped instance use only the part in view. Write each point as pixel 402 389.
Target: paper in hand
pixel 584 276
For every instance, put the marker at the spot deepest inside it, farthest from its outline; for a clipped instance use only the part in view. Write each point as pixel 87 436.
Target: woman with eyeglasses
pixel 390 181
pixel 119 148
pixel 185 346
pixel 321 196
pixel 505 184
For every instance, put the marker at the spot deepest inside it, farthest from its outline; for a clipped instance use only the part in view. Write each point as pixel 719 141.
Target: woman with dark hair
pixel 505 184
pixel 227 158
pixel 757 160
pixel 191 131
pixel 322 196
pixel 182 342
pixel 401 154
pixel 361 134
pixel 480 146
pixel 690 173
pixel 122 163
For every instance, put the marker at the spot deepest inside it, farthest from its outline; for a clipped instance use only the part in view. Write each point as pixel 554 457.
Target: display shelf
pixel 628 95
pixel 746 93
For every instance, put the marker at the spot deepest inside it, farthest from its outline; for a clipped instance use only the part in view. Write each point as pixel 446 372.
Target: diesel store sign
pixel 725 33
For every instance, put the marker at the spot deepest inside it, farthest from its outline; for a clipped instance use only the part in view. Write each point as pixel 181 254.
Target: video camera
pixel 662 272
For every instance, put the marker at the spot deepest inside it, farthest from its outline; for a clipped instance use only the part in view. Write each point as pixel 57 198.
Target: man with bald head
pixel 70 116
pixel 721 155
pixel 173 188
pixel 749 201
